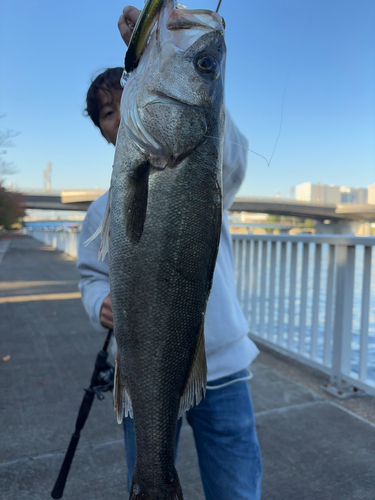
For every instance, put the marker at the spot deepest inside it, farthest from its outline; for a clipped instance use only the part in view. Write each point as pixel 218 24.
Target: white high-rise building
pixel 318 193
pixel 371 194
pixel 305 191
pixel 333 195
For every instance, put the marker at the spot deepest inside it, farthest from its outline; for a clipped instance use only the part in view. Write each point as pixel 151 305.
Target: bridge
pixel 77 200
pixel 332 219
pixel 306 210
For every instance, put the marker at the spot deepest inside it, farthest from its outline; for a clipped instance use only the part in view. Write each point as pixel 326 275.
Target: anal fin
pixel 196 384
pixel 122 403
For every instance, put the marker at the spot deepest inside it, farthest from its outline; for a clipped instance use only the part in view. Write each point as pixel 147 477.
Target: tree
pixel 6 167
pixel 273 218
pixel 11 207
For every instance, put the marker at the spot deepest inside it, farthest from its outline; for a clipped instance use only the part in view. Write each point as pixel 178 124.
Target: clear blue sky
pixel 322 54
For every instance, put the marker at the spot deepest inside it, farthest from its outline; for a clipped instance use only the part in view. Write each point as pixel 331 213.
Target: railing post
pixel 262 311
pixel 245 306
pixel 365 311
pixel 292 295
pixel 281 308
pixel 342 330
pixel 239 261
pixel 303 305
pixel 254 287
pixel 271 302
pixel 315 305
pixel 327 360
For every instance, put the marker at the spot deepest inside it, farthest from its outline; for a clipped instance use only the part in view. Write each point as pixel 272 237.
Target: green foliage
pixel 273 218
pixel 309 223
pixel 11 208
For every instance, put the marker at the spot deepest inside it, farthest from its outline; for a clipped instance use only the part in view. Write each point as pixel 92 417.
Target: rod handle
pixel 58 489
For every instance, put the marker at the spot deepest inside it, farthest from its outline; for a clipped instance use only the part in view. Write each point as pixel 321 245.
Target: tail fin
pixel 135 496
pixel 166 490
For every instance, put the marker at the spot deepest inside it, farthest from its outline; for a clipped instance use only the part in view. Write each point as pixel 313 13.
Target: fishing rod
pixel 101 381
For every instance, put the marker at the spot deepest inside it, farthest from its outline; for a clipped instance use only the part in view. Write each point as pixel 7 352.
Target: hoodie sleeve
pixel 94 283
pixel 234 161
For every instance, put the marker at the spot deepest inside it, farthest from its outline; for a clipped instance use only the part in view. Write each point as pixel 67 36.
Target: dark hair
pixel 108 80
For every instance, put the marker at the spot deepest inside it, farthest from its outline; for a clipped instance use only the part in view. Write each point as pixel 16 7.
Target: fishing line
pixel 240 145
pixel 287 81
pixel 283 97
pixel 234 381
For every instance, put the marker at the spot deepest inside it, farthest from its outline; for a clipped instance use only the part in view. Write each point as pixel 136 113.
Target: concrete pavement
pixel 312 447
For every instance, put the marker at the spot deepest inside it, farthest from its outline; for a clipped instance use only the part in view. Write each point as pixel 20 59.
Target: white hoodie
pixel 228 347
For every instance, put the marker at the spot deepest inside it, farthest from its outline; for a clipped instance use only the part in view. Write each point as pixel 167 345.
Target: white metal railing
pixel 65 240
pixel 312 298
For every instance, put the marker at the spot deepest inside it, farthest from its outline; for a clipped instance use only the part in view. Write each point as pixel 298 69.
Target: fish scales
pixel 163 229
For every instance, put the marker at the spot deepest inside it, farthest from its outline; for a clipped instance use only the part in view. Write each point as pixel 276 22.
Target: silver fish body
pixel 163 227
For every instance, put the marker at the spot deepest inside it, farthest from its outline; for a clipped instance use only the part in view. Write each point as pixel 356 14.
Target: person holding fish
pixel 168 287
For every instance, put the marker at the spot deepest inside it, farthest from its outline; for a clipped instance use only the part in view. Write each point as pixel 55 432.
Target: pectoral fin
pixel 135 211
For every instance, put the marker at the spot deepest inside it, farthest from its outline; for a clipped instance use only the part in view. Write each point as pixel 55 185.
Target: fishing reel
pixel 104 381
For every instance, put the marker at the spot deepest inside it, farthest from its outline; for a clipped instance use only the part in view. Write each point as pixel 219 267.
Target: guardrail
pixel 310 297
pixel 64 240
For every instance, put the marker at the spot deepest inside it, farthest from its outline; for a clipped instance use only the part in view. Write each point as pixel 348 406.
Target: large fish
pixel 162 227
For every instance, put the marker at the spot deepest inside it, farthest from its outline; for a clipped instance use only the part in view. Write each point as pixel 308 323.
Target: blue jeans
pixel 226 441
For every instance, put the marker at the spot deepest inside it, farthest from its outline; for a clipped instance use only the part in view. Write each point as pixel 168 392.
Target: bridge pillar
pixel 364 229
pixel 344 227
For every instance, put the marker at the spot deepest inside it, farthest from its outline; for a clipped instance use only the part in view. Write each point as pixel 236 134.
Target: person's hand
pixel 127 22
pixel 106 314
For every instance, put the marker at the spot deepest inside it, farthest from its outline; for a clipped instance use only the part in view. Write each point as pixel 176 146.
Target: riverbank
pixel 312 448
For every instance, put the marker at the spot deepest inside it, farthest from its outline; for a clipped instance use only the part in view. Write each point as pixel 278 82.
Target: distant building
pixel 371 194
pixel 332 195
pixel 318 193
pixel 353 195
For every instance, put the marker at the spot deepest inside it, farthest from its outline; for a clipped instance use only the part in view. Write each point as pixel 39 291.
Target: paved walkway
pixel 312 448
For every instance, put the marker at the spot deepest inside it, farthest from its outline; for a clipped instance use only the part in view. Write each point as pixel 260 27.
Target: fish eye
pixel 208 65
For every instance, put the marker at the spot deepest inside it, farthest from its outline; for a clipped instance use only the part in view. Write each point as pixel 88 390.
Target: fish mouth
pixel 176 126
pixel 195 19
pixel 158 97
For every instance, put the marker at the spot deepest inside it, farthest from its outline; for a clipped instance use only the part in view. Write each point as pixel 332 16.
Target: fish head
pixel 174 99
